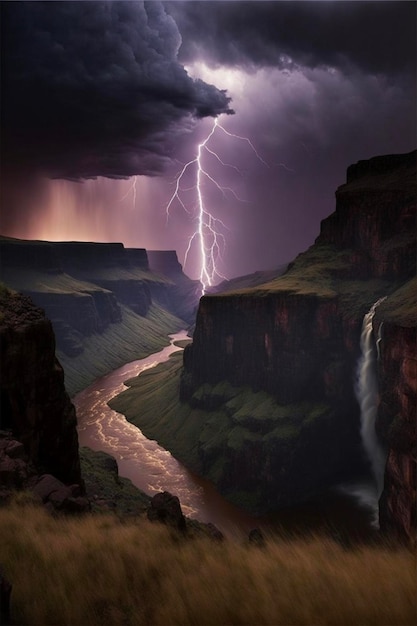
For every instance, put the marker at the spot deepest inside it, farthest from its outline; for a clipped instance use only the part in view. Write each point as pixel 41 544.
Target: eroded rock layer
pixel 397 415
pixel 297 338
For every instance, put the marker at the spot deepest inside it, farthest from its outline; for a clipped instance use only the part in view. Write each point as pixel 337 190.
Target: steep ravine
pixel 106 305
pixel 39 451
pixel 268 410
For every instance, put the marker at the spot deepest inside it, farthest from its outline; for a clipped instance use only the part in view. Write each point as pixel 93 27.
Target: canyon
pixel 267 407
pixel 263 402
pixel 107 304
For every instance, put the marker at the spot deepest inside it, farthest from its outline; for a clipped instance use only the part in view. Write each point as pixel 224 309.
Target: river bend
pixel 149 467
pixel 152 468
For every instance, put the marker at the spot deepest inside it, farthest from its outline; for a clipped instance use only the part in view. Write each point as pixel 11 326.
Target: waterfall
pixel 367 395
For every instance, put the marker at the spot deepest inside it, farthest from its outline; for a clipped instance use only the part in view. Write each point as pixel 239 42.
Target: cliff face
pixel 111 267
pixel 293 347
pixel 102 299
pixel 77 308
pixel 182 295
pixel 297 337
pixel 397 411
pixel 85 287
pixel 375 217
pixel 34 403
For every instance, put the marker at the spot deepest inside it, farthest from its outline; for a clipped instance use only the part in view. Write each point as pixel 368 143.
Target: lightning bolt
pixel 132 190
pixel 209 231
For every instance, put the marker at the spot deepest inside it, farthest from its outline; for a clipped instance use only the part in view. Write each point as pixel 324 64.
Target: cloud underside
pixel 100 89
pixel 370 36
pixel 95 88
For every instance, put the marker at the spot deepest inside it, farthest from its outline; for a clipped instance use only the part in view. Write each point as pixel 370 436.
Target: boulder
pixel 213 532
pixel 59 497
pixel 166 508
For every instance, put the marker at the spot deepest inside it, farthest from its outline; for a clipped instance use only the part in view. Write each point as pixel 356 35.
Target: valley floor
pixel 134 338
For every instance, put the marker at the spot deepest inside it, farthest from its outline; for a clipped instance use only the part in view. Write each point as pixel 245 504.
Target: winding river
pixel 149 467
pixel 152 468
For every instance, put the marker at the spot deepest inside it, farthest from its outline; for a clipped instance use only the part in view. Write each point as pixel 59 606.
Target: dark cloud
pixel 95 88
pixel 98 88
pixel 374 36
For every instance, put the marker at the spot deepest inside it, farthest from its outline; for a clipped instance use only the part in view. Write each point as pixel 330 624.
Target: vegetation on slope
pixel 135 338
pixel 153 403
pixel 34 280
pixel 97 570
pixel 218 419
pixel 401 307
pixel 248 280
pixel 106 489
pixel 324 271
pixel 310 273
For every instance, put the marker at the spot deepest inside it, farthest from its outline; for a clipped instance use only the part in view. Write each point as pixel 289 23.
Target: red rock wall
pixel 305 347
pixel 397 424
pixel 34 403
pixel 375 217
pixel 290 345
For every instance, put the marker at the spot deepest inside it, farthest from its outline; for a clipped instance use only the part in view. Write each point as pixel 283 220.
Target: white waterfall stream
pixel 367 395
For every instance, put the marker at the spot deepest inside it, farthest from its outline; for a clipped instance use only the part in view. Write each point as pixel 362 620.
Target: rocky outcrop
pixel 76 308
pixel 23 254
pixel 291 346
pixel 182 295
pixel 34 404
pixel 109 266
pixel 106 490
pixel 84 286
pixel 375 217
pixel 297 339
pixel 166 508
pixel 165 262
pixel 59 497
pixel 397 411
pixel 85 312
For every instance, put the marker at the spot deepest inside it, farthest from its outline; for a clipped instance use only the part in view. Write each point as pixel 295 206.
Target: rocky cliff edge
pixel 35 407
pixel 297 338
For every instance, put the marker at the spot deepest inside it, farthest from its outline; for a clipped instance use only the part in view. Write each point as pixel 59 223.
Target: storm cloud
pixel 114 89
pixel 370 36
pixel 95 88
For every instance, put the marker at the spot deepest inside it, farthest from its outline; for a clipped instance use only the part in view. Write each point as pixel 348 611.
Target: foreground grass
pixel 97 570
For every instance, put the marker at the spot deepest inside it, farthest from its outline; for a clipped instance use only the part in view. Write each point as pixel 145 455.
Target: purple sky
pixel 97 92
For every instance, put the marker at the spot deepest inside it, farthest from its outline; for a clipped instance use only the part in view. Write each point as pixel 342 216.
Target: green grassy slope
pixel 104 486
pixel 236 415
pixel 152 401
pixel 134 338
pixel 325 272
pixel 46 282
pixel 401 307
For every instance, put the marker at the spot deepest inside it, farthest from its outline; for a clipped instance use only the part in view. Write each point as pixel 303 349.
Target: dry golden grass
pixel 99 571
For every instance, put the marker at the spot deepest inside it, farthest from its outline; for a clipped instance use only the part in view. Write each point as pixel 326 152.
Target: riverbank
pixel 135 337
pixel 152 405
pixel 150 467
